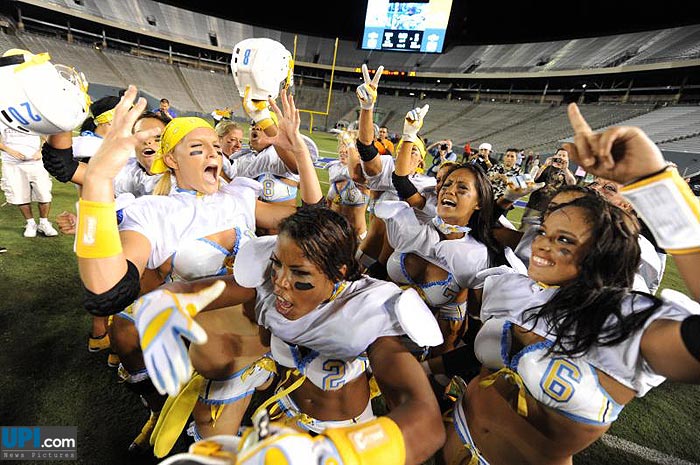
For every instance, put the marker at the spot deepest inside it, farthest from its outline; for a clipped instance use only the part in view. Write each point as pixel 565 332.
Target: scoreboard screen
pixel 415 26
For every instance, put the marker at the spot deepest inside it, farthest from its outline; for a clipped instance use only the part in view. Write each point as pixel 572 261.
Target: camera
pixel 556 160
pixel 443 146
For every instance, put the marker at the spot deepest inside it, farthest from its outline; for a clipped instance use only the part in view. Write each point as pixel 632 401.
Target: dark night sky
pixel 471 21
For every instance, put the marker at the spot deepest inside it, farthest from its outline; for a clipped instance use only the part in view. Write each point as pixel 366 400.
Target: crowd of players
pixel 266 329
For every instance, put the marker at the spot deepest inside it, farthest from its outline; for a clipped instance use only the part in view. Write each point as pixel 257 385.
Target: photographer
pixel 482 157
pixel 441 152
pixel 554 173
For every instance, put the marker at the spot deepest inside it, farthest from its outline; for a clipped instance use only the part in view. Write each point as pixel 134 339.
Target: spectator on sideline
pixel 554 173
pixel 467 152
pixel 384 145
pixel 24 179
pixel 164 111
pixel 441 152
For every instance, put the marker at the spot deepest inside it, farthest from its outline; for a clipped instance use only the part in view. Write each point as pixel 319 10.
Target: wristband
pixel 367 152
pixel 665 202
pixel 97 235
pixel 404 187
pixel 374 442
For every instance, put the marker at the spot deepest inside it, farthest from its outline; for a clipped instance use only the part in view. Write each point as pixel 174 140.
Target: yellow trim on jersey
pixel 515 379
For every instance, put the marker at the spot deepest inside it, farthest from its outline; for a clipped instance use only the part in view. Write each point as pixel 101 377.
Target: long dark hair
pixel 327 240
pixel 481 221
pixel 97 108
pixel 588 310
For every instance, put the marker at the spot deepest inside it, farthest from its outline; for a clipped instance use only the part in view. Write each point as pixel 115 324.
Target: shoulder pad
pixel 389 208
pixel 681 300
pixel 243 182
pixel 514 261
pixel 250 267
pixel 417 320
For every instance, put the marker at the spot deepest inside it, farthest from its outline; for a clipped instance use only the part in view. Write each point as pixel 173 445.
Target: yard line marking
pixel 646 453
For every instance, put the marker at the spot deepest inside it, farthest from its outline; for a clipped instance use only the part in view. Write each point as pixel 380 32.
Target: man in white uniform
pixel 24 179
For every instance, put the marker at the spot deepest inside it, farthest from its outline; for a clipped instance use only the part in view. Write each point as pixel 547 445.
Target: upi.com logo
pixel 39 443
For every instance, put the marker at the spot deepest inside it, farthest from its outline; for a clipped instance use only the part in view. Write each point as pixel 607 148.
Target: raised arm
pixel 354 162
pixel 101 259
pixel 405 164
pixel 367 95
pixel 269 215
pixel 657 192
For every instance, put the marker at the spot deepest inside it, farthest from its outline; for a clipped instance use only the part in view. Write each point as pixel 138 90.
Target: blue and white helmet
pixel 38 97
pixel 263 64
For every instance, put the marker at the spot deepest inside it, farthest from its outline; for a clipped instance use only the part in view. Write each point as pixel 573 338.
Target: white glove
pixel 367 92
pixel 413 123
pixel 520 186
pixel 257 110
pixel 162 319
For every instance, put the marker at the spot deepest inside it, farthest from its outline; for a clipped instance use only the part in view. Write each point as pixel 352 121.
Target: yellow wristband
pixel 373 442
pixel 97 235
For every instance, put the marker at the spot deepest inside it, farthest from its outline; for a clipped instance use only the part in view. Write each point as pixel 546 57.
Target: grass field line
pixel 651 455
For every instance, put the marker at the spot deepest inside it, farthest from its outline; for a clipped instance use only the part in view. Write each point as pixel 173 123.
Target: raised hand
pixel 367 92
pixel 621 153
pixel 413 123
pixel 288 121
pixel 163 319
pixel 120 142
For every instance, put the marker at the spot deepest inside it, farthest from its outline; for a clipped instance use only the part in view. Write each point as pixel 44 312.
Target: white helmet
pixel 38 97
pixel 261 64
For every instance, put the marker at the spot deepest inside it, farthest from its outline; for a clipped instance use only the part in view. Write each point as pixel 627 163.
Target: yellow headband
pixel 420 145
pixel 105 117
pixel 173 133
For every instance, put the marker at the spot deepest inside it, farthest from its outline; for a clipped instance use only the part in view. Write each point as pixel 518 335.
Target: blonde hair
pixel 224 127
pixel 164 184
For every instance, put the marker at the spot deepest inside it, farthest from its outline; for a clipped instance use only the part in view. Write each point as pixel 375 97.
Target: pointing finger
pixel 578 123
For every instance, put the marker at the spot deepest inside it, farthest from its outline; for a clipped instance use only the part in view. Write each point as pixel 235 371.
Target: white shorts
pixel 24 183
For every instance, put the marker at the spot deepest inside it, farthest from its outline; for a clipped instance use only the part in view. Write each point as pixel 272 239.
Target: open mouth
pixel 284 307
pixel 148 152
pixel 211 173
pixel 448 203
pixel 539 261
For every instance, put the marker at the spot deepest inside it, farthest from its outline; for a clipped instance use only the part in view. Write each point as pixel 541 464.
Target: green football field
pixel 47 376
